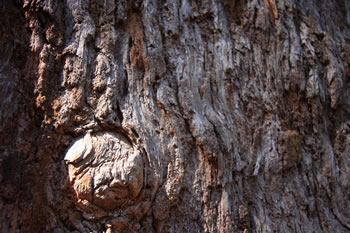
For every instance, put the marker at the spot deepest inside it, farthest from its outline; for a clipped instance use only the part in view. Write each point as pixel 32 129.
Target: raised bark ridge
pixel 174 116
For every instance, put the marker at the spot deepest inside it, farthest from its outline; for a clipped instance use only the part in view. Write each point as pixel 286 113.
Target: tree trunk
pixel 175 116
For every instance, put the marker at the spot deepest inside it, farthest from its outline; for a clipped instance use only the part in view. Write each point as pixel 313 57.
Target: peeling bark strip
pixel 271 4
pixel 174 116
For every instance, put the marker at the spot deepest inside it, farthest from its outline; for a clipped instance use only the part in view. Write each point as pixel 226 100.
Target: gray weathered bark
pixel 174 116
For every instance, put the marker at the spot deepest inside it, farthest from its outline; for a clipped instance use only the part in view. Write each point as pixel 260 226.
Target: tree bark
pixel 175 116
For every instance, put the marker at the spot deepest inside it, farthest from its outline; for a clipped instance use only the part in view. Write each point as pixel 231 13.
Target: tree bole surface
pixel 174 116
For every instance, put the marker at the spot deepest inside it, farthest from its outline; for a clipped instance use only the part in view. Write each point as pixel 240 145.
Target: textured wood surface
pixel 174 116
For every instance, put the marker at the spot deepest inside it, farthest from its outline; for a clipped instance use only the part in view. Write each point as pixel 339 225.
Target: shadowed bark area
pixel 174 116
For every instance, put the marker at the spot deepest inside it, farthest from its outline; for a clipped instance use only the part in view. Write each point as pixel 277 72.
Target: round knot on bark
pixel 105 170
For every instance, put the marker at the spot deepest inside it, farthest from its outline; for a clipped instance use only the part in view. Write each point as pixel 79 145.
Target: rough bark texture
pixel 174 116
